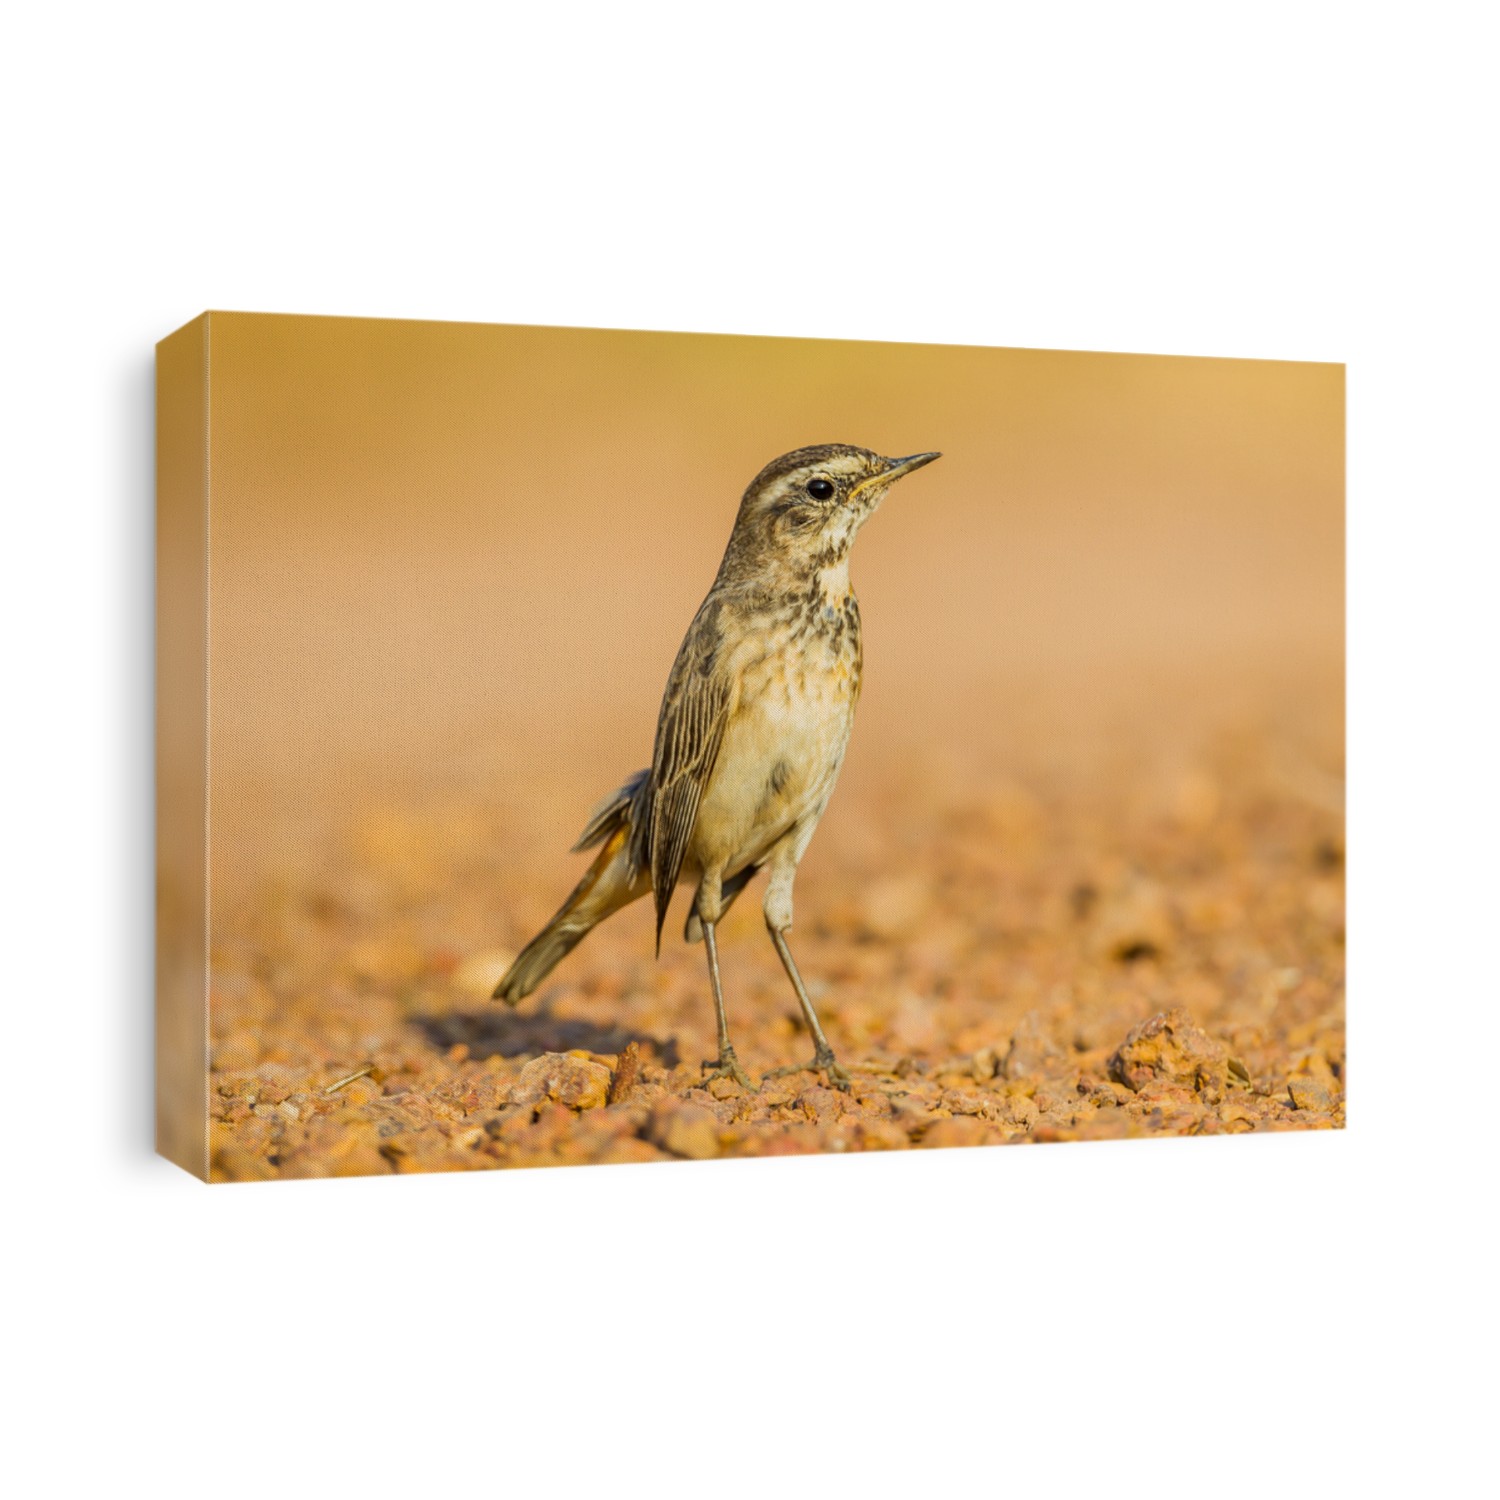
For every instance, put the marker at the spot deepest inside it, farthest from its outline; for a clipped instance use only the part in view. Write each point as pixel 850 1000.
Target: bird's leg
pixel 778 910
pixel 823 1058
pixel 728 1065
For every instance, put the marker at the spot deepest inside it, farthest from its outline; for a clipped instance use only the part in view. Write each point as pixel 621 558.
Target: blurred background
pixel 1096 776
pixel 452 563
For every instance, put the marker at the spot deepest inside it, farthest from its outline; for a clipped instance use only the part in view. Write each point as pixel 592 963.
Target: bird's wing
pixel 609 814
pixel 694 711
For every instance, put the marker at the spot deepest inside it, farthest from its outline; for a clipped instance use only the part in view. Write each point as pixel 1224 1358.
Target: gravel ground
pixel 1082 875
pixel 1053 958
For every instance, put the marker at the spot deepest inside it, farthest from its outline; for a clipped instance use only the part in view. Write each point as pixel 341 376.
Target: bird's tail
pixel 612 881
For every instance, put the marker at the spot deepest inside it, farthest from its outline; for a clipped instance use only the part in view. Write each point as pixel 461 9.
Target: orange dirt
pixel 1019 962
pixel 1095 778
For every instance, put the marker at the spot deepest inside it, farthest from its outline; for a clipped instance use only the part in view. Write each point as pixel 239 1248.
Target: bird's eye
pixel 820 489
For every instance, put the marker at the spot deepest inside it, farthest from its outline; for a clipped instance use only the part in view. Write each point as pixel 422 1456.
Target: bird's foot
pixel 728 1066
pixel 823 1062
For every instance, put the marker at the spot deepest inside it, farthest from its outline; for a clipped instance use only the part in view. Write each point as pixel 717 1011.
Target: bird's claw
pixel 825 1063
pixel 728 1066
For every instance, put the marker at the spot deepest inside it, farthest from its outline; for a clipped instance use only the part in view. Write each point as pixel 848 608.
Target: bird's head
pixel 808 505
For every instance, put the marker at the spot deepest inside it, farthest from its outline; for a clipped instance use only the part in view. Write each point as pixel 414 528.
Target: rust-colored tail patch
pixel 565 931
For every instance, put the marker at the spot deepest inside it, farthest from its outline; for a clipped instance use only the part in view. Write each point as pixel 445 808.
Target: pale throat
pixel 833 581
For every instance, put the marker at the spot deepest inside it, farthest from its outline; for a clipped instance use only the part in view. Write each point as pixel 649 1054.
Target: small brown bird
pixel 752 732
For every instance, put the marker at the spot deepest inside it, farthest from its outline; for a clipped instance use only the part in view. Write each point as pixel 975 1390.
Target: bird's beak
pixel 896 467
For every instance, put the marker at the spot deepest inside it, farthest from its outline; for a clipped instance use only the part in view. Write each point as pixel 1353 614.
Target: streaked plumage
pixel 753 727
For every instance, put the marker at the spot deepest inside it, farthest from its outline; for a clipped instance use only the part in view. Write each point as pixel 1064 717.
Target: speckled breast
pixel 799 678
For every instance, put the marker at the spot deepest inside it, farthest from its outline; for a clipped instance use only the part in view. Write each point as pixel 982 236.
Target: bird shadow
pixel 503 1033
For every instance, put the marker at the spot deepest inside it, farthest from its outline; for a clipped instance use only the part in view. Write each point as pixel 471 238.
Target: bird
pixel 750 738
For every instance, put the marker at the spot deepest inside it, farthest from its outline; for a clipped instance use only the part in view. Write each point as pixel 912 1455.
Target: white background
pixel 1295 1315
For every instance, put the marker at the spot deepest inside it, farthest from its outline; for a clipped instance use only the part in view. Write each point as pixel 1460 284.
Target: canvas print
pixel 583 746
